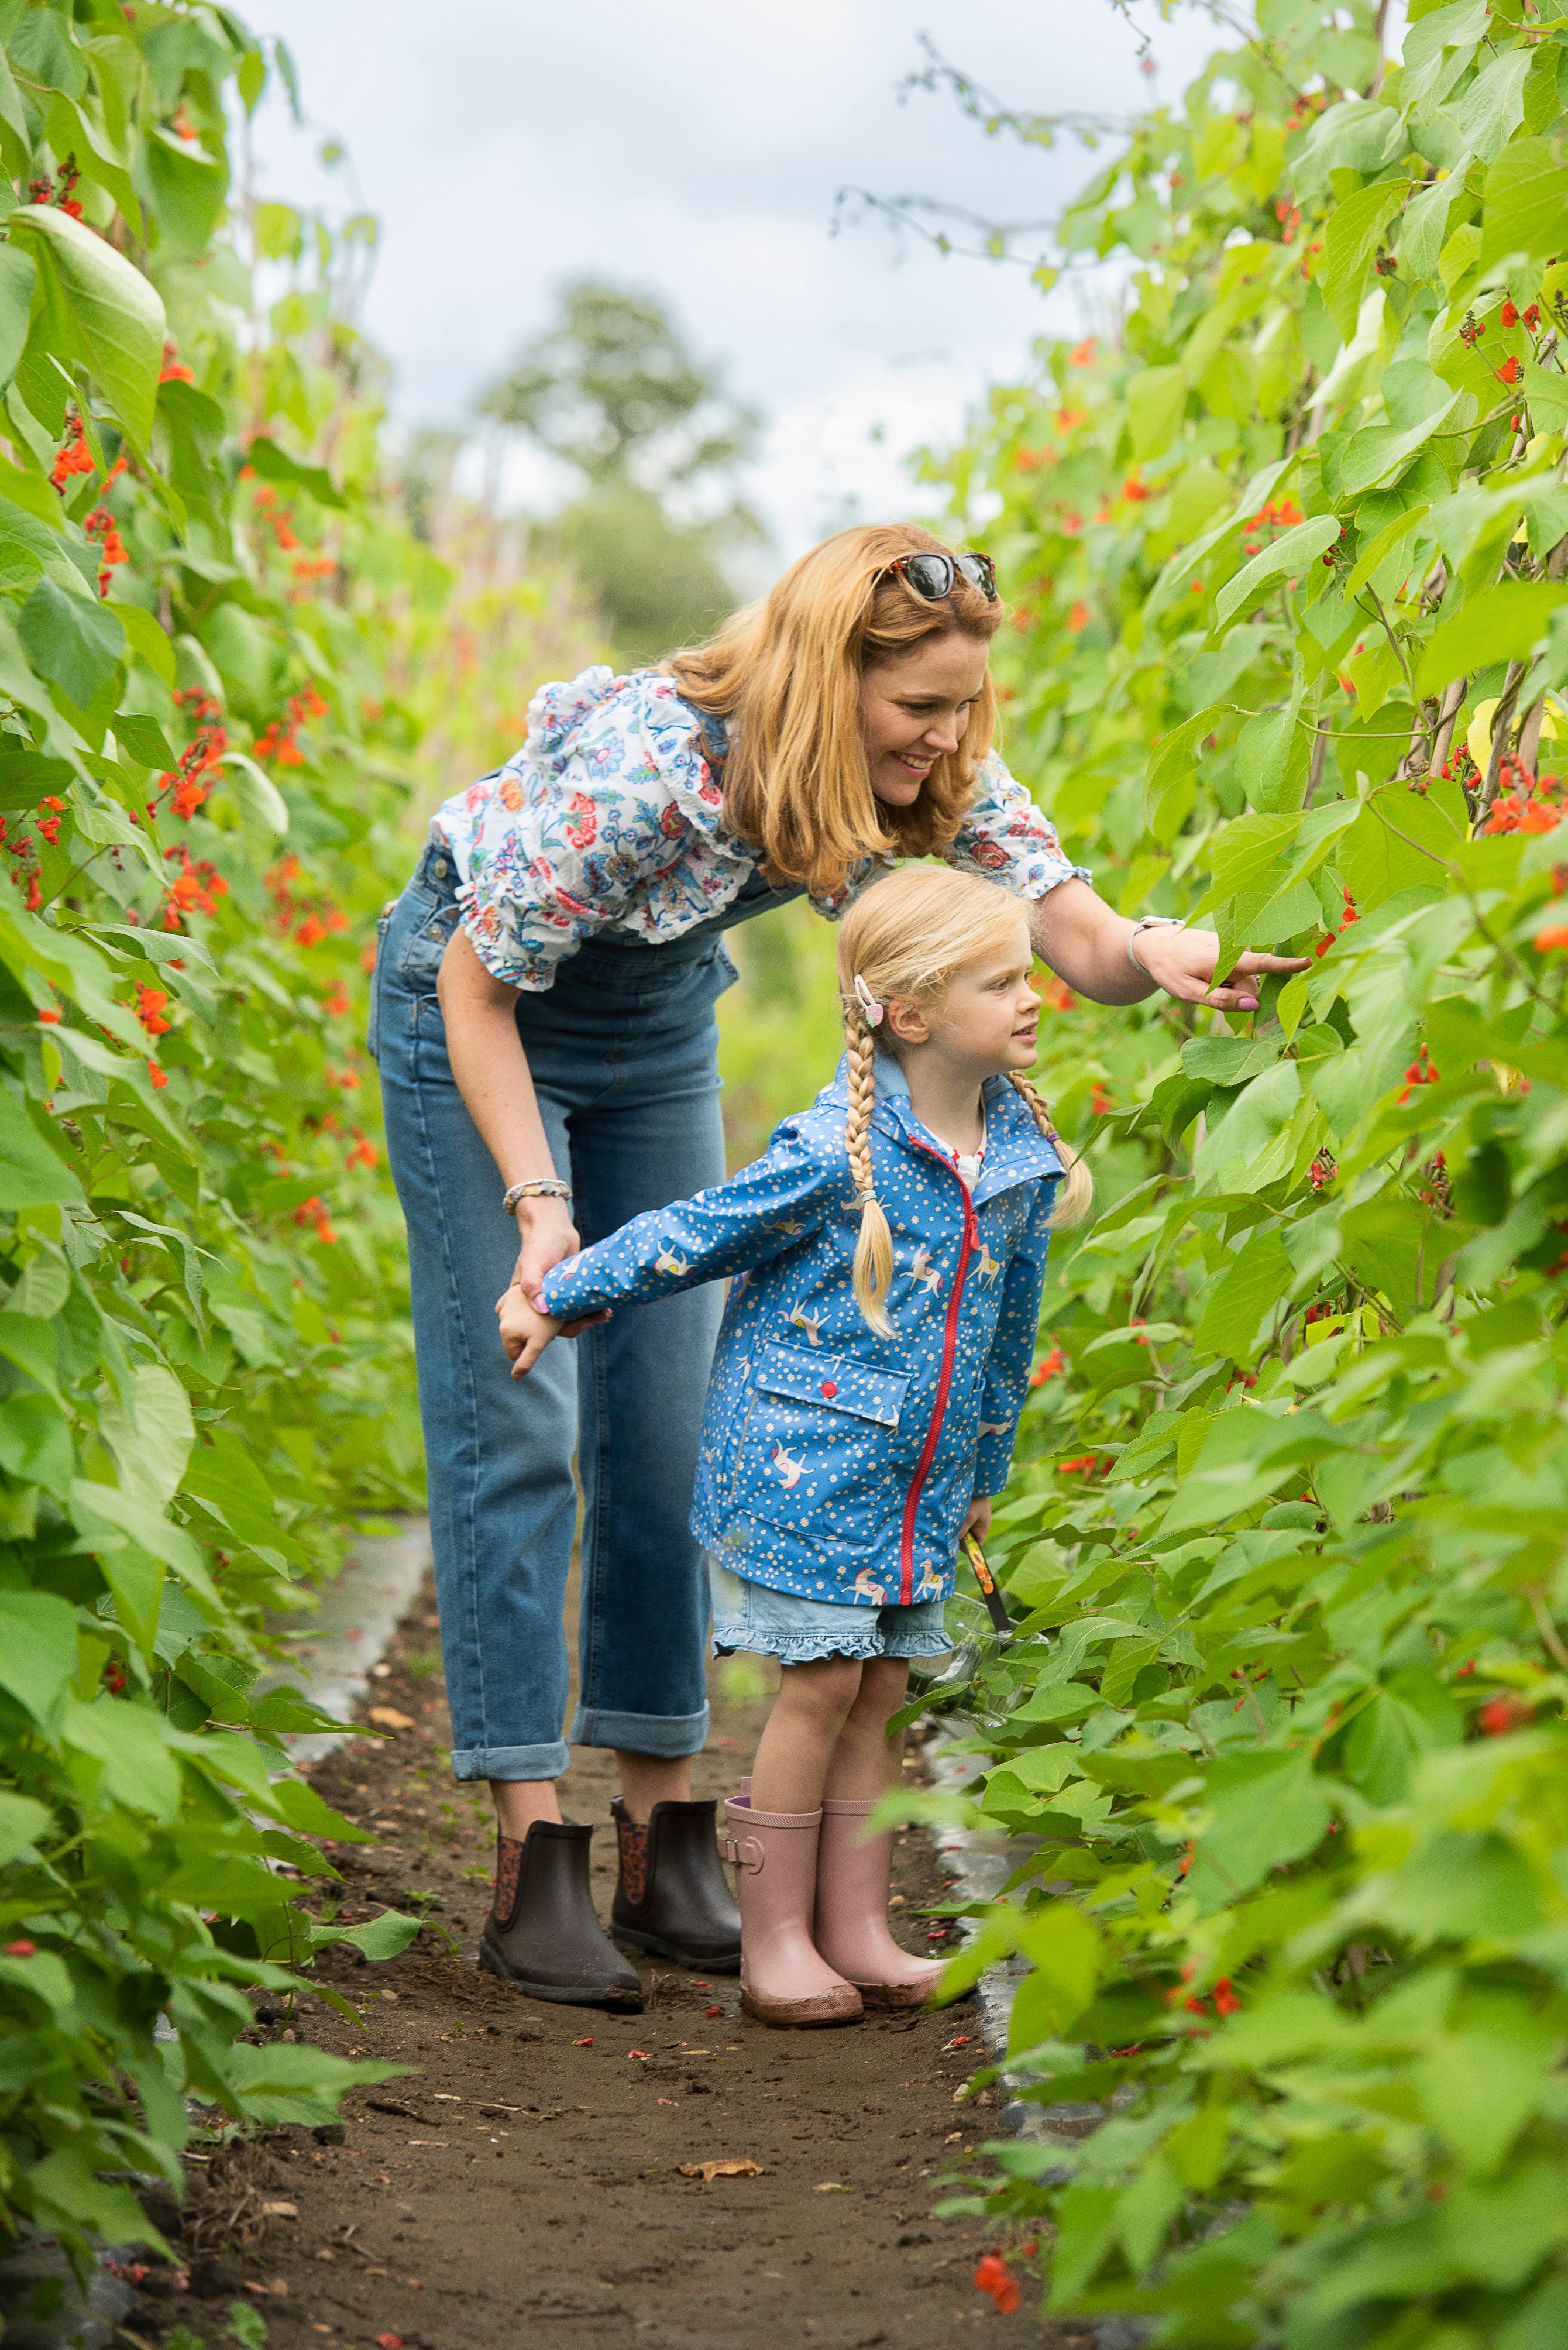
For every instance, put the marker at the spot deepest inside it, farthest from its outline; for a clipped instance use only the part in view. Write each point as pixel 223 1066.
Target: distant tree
pixel 611 388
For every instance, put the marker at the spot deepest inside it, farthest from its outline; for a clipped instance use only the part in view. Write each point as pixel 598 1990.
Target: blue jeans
pixel 623 1051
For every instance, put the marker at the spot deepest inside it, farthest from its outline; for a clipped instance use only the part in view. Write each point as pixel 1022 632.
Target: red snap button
pixel 830 1387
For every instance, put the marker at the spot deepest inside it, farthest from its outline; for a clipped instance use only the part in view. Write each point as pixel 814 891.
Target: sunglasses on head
pixel 933 575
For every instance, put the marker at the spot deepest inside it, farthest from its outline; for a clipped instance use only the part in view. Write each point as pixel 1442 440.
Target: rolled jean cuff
pixel 552 1761
pixel 666 1735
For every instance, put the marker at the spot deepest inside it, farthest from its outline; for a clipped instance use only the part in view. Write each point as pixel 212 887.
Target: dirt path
pixel 529 2166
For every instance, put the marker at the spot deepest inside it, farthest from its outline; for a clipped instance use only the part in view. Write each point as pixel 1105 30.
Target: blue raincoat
pixel 837 1464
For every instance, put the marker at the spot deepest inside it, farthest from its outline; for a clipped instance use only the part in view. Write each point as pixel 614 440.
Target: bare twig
pixel 1315 773
pixel 1547 1629
pixel 1502 719
pixel 1453 702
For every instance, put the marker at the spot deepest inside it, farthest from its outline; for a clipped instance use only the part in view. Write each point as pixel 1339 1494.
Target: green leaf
pixel 114 308
pixel 1249 847
pixel 1063 1950
pixel 17 280
pixel 261 804
pixel 77 130
pixel 35 1443
pixel 281 2084
pixel 381 1938
pixel 1386 540
pixel 127 1740
pixel 142 739
pixel 1429 47
pixel 1546 393
pixel 1300 547
pixel 37 1651
pixel 76 645
pixel 1156 397
pixel 150 1432
pixel 1493 106
pixel 23 1822
pixel 147 641
pixel 30 1173
pixel 1526 202
pixel 186 189
pixel 95 1505
pixel 221 1470
pixel 1355 232
pixel 1501 623
pixel 1263 1811
pixel 1228 1060
pixel 1260 1277
pixel 1425 226
pixel 275 464
pixel 1382 452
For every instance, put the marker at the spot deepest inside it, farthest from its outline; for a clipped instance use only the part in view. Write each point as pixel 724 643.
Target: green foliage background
pixel 221 648
pixel 1283 1725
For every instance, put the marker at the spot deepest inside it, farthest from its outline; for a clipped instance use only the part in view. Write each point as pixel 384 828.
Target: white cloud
pixel 697 148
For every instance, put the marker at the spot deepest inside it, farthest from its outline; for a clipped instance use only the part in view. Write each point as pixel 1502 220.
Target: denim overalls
pixel 624 1054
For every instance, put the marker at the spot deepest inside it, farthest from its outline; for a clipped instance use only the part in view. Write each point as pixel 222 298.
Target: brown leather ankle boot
pixel 542 1934
pixel 671 1898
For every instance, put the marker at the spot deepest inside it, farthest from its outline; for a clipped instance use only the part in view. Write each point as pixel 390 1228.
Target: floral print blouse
pixel 610 816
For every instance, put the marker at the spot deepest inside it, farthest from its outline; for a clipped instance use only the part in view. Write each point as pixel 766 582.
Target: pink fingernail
pixel 1248 1004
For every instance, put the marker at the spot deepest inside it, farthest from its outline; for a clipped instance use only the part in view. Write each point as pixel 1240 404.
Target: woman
pixel 545 1026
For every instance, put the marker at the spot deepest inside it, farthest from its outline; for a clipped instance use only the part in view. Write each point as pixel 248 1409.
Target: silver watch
pixel 1150 922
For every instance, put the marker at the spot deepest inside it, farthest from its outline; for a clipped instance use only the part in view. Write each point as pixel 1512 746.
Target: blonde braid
pixel 1078 1190
pixel 874 1249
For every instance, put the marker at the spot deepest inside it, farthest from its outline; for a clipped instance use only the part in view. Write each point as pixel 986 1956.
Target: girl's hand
pixel 977 1519
pixel 548 1236
pixel 525 1331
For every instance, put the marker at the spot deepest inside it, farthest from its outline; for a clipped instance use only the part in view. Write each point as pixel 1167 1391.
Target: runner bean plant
pixel 210 609
pixel 1281 1730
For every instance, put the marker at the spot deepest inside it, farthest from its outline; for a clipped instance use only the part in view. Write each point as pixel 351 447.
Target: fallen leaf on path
pixel 830 2187
pixel 280 2210
pixel 708 2171
pixel 387 1717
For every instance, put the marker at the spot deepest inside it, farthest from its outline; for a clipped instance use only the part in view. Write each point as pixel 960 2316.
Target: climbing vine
pixel 1282 1729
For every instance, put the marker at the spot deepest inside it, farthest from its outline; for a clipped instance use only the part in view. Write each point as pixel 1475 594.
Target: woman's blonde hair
pixel 786 674
pixel 906 941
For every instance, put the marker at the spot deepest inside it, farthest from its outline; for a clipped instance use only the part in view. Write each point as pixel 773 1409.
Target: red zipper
pixel 938 1409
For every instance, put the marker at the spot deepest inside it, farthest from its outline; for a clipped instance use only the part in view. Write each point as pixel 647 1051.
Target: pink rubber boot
pixel 782 1979
pixel 853 1873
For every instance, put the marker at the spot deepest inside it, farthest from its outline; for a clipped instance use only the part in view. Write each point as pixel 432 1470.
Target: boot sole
pixel 798 2014
pixel 654 1947
pixel 625 2002
pixel 896 1994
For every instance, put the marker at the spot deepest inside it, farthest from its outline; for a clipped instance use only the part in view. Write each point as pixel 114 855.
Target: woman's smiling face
pixel 914 711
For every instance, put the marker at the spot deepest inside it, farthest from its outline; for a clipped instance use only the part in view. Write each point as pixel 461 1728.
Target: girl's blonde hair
pixel 786 674
pixel 907 940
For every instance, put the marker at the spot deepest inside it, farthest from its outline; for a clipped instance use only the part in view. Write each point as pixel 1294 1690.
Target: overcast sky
pixel 695 148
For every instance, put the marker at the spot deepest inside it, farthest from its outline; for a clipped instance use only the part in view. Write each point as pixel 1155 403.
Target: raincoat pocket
pixel 822 1441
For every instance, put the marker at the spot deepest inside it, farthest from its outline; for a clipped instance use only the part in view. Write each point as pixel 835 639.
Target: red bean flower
pixel 993 2276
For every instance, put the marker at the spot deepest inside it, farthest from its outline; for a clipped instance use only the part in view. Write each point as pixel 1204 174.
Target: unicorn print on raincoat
pixel 837 1464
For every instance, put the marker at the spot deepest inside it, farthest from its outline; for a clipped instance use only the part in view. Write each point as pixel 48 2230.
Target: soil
pixel 529 2164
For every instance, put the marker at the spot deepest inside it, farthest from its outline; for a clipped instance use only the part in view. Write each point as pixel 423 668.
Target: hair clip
pixel 870 1010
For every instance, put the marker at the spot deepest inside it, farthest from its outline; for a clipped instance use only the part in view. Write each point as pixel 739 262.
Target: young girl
pixel 887 1253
